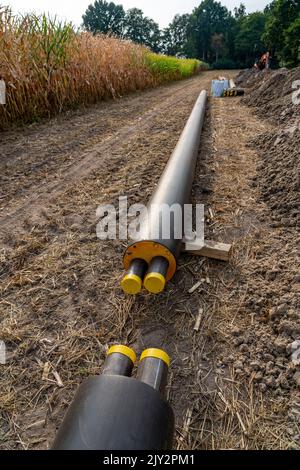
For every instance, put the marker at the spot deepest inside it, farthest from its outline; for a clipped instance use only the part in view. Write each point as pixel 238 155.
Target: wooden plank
pixel 213 250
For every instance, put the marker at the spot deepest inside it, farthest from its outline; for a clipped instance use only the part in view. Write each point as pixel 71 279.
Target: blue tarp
pixel 218 87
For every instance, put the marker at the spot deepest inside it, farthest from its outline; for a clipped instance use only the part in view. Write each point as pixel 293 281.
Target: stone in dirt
pixel 297 379
pixel 296 357
pixel 289 328
pixel 292 347
pixel 280 345
pixel 276 312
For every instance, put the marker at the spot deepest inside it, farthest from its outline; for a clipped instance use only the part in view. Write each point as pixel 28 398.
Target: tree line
pixel 211 32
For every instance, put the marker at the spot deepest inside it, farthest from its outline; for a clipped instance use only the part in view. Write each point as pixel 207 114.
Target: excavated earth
pixel 235 379
pixel 273 94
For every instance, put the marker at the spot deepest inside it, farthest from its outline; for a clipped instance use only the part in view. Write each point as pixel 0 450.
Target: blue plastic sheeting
pixel 218 87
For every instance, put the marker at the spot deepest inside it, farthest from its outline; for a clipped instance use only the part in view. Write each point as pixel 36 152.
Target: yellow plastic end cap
pixel 123 350
pixel 131 284
pixel 154 283
pixel 158 354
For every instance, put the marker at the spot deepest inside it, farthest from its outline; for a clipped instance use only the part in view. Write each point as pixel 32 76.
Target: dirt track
pixel 60 299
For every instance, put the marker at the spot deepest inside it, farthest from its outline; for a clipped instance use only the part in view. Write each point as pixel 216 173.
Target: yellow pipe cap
pixel 154 283
pixel 122 350
pixel 131 284
pixel 157 354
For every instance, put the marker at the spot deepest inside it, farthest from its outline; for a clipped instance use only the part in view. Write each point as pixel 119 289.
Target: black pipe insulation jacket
pixel 116 413
pixel 174 187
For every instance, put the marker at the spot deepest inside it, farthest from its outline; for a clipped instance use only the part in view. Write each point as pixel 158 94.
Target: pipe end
pixel 119 349
pixel 131 284
pixel 157 354
pixel 154 283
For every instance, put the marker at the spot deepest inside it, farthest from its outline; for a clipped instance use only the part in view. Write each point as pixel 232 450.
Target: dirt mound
pixel 272 94
pixel 248 78
pixel 279 176
pixel 267 352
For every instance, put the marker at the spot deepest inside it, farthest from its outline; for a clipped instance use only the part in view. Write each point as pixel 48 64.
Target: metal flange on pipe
pixel 115 411
pixel 152 261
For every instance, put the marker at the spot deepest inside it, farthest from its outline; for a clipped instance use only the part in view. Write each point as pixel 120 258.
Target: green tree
pixel 248 42
pixel 141 29
pixel 281 14
pixel 175 36
pixel 217 44
pixel 291 50
pixel 104 17
pixel 240 12
pixel 210 18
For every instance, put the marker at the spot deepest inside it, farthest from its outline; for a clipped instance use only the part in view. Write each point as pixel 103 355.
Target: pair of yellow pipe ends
pixel 152 352
pixel 153 283
pixel 148 264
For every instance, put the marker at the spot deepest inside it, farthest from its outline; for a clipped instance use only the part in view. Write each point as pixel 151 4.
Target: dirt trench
pixel 61 305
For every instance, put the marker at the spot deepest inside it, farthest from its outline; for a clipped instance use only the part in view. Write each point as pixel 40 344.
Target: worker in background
pixel 264 62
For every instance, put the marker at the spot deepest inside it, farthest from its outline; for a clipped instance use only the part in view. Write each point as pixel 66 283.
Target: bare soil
pixel 232 384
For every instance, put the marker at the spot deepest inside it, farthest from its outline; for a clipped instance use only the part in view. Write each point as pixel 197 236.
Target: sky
pixel 162 11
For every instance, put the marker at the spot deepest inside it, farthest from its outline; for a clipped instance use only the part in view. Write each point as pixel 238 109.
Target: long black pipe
pixel 174 187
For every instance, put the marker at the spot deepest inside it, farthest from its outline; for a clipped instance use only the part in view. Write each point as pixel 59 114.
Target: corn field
pixel 49 67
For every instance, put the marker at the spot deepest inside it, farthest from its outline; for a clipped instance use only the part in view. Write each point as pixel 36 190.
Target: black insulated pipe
pixel 119 361
pixel 115 412
pixel 155 279
pixel 177 179
pixel 153 369
pixel 173 189
pixel 133 280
